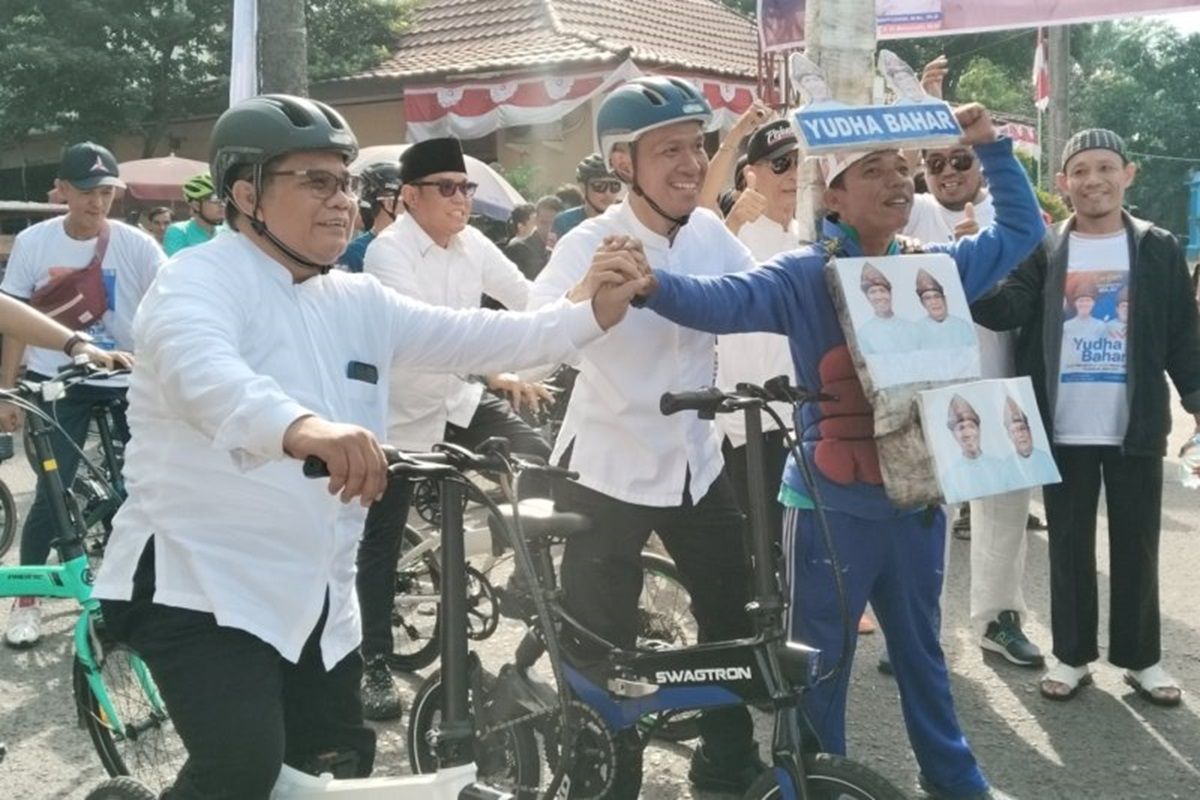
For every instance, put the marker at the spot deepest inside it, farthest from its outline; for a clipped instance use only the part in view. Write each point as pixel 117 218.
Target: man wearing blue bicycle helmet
pixel 640 471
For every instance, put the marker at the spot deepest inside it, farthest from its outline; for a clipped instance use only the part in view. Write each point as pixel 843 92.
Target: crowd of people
pixel 306 311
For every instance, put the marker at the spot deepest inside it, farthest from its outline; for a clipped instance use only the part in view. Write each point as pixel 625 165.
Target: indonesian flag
pixel 1041 75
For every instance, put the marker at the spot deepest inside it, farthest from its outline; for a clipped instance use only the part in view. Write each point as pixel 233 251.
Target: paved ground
pixel 1106 745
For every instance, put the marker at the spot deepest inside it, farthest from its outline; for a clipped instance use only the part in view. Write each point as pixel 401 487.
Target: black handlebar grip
pixel 315 467
pixel 706 401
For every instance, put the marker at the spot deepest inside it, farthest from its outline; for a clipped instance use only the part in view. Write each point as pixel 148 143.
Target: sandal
pixel 1062 681
pixel 1155 685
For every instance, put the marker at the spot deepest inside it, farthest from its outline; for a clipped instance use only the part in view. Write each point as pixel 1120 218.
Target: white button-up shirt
pixel 404 258
pixel 231 351
pixel 621 444
pixel 757 357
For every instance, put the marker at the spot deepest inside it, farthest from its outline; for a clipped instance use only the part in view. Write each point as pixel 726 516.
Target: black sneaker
pixel 1034 523
pixel 736 778
pixel 380 697
pixel 1004 636
pixel 961 528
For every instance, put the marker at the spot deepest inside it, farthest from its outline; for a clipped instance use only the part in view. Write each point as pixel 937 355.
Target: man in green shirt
pixel 207 214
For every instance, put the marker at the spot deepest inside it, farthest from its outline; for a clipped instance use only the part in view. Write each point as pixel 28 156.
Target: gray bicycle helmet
pixel 261 128
pixel 594 166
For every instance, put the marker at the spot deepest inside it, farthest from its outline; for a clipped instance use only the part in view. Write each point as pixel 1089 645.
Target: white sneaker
pixel 24 624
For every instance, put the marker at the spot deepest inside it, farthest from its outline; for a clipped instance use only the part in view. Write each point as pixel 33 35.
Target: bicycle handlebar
pixel 447 459
pixel 711 400
pixel 68 375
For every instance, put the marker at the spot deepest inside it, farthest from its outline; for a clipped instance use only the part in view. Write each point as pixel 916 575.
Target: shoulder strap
pixel 101 247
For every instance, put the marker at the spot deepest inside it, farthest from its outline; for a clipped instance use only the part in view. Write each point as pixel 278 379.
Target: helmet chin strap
pixel 261 229
pixel 676 222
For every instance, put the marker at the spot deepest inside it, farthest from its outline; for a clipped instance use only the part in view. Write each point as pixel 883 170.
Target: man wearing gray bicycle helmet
pixel 600 188
pixel 641 471
pixel 227 570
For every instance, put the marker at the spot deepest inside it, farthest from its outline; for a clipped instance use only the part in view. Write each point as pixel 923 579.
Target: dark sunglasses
pixel 961 162
pixel 783 163
pixel 605 186
pixel 447 187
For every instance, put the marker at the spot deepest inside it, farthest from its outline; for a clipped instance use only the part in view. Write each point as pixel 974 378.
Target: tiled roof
pixel 463 37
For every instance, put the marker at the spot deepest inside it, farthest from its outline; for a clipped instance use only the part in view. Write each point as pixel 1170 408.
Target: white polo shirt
pixel 622 446
pixel 231 351
pixel 405 259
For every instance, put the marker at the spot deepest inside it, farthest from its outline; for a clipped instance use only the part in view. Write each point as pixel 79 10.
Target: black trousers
pixel 774 458
pixel 241 709
pixel 602 581
pixel 1133 496
pixel 379 551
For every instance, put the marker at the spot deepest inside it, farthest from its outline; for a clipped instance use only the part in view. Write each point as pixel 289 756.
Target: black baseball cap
pixel 771 141
pixel 87 165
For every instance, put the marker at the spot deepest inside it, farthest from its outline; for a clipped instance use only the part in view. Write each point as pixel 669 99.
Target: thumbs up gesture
pixel 968 225
pixel 750 205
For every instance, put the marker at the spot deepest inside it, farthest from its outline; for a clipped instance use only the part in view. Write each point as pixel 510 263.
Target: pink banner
pixel 967 16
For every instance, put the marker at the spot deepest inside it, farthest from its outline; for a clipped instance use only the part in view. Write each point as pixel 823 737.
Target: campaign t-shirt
pixel 1092 405
pixel 43 251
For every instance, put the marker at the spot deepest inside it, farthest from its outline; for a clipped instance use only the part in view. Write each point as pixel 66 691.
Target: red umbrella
pixel 159 179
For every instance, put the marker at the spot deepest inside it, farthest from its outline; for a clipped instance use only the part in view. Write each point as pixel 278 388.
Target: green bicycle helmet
pixel 199 188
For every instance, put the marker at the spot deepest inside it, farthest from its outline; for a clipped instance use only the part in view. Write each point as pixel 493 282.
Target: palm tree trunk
pixel 283 46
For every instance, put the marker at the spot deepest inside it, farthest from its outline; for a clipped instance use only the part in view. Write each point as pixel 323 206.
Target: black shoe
pixel 736 778
pixel 1004 636
pixel 380 697
pixel 1032 523
pixel 885 666
pixel 961 528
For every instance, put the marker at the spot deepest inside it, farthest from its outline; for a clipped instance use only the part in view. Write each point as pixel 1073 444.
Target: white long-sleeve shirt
pixel 757 357
pixel 622 446
pixel 230 352
pixel 405 259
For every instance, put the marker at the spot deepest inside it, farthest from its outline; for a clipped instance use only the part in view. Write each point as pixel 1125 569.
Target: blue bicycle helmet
pixel 644 104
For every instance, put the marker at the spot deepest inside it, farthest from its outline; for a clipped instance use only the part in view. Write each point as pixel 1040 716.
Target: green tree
pixel 110 67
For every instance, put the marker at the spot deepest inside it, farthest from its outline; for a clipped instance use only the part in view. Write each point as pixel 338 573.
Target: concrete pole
pixel 283 47
pixel 839 37
pixel 1058 58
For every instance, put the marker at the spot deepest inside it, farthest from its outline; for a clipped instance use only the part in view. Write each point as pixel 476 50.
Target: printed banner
pixel 780 24
pixel 908 17
pixel 909 318
pixel 971 16
pixel 827 126
pixel 986 438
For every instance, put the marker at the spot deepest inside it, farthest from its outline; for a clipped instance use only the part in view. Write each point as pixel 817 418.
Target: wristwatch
pixel 76 338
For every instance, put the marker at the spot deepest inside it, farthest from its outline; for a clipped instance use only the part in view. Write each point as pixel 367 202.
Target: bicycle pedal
pixel 623 687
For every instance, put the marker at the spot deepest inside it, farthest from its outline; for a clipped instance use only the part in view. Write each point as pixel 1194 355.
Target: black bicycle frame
pixel 69 541
pixel 455 736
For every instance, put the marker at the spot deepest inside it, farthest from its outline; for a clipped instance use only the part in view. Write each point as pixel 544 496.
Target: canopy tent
pixel 159 179
pixel 495 198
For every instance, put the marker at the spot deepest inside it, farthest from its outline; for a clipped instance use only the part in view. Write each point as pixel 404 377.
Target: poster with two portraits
pixel 942 433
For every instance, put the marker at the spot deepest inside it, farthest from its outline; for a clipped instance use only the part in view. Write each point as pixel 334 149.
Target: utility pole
pixel 1058 59
pixel 839 36
pixel 283 47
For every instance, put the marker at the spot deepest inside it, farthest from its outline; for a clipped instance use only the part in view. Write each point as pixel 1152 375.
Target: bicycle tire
pixel 515 749
pixel 664 617
pixel 123 788
pixel 416 633
pixel 8 524
pixel 155 753
pixel 830 777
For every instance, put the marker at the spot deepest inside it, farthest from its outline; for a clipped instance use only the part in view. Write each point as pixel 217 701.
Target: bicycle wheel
pixel 830 777
pixel 665 621
pixel 506 759
pixel 121 789
pixel 416 631
pixel 149 750
pixel 8 519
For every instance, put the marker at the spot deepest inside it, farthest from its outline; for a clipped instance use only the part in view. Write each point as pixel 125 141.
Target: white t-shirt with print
pixel 43 251
pixel 1092 406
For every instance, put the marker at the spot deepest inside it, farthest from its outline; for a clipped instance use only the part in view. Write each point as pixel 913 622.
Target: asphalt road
pixel 1107 744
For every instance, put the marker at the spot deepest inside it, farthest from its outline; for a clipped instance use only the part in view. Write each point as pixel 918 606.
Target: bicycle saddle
pixel 539 519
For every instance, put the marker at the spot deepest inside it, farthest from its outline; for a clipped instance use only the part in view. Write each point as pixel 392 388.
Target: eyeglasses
pixel 324 184
pixel 605 186
pixel 961 162
pixel 447 187
pixel 783 163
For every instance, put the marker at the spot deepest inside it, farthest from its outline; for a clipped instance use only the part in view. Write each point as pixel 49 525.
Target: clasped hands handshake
pixel 618 273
